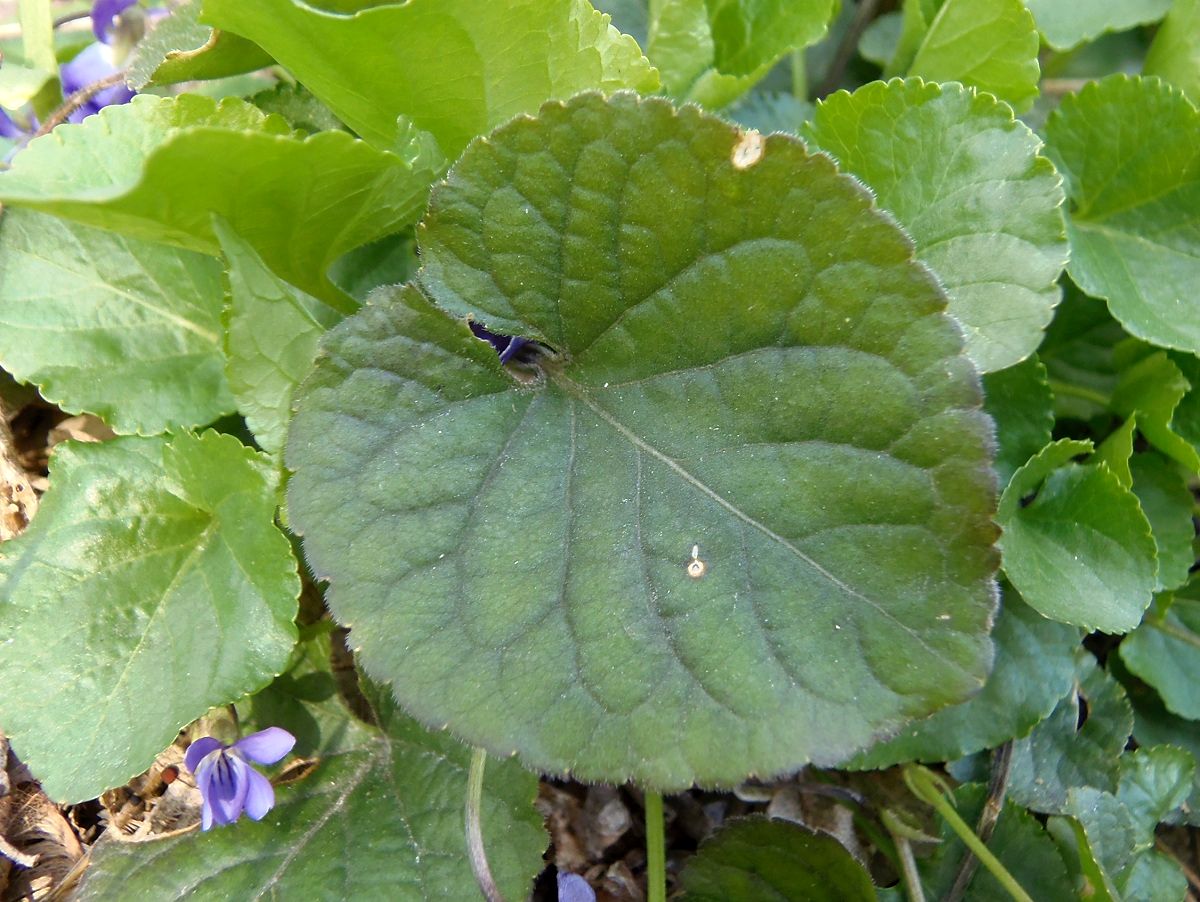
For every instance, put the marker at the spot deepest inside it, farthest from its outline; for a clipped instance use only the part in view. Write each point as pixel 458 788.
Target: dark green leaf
pixel 1076 544
pixel 1168 505
pixel 1062 754
pixel 1155 780
pixel 1035 667
pixel 1078 354
pixel 1127 147
pixel 455 68
pixel 1112 832
pixel 761 858
pixel 1019 842
pixel 114 326
pixel 966 180
pixel 1153 877
pixel 756 373
pixel 1020 401
pixel 152 585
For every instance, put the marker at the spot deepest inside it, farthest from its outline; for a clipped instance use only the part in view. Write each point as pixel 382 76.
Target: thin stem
pixel 1060 86
pixel 78 99
pixel 799 76
pixel 908 870
pixel 1071 390
pixel 921 782
pixel 475 850
pixel 846 49
pixel 992 806
pixel 656 848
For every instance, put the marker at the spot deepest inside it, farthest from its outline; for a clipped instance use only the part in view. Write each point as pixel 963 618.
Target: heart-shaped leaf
pixel 152 585
pixel 966 179
pixel 1127 147
pixel 747 494
pixel 762 858
pixel 124 329
pixel 1076 543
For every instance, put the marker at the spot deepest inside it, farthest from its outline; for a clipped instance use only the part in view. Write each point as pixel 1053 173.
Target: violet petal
pixel 203 780
pixel 260 796
pixel 92 63
pixel 8 128
pixel 573 888
pixel 227 789
pixel 266 746
pixel 103 14
pixel 196 753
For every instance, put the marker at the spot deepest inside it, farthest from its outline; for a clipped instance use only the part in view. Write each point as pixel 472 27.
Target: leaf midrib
pixel 578 393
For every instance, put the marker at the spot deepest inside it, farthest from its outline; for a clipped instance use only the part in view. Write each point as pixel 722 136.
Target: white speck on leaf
pixel 748 150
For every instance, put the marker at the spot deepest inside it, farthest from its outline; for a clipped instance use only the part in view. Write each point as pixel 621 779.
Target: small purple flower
pixel 92 63
pixel 227 784
pixel 104 15
pixel 573 888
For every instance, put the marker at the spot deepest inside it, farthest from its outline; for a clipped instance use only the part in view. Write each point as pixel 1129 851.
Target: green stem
pixel 799 76
pixel 908 870
pixel 921 782
pixel 656 849
pixel 1078 391
pixel 475 850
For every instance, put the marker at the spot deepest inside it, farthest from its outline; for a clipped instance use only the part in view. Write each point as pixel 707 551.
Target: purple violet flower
pixel 573 888
pixel 227 784
pixel 104 16
pixel 92 63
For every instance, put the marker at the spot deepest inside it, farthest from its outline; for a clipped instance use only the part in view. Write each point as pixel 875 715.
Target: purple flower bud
pixel 506 345
pixel 228 785
pixel 104 13
pixel 573 888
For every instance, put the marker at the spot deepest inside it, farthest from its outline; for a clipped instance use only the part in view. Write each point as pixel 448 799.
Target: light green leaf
pixel 1154 725
pixel 454 68
pixel 1155 781
pixel 1061 753
pixel 1165 652
pixel 1093 882
pixel 1075 544
pixel 991 45
pixel 127 330
pixel 1153 388
pixel 20 84
pixel 762 858
pixel 967 182
pixel 1175 53
pixel 298 107
pixel 1117 449
pixel 1168 505
pixel 712 51
pixel 881 38
pixel 37 34
pixel 1112 832
pixel 1066 25
pixel 1035 667
pixel 1154 877
pixel 152 585
pixel 402 788
pixel 515 558
pixel 1127 148
pixel 271 338
pixel 179 49
pixel 117 170
pixel 1019 842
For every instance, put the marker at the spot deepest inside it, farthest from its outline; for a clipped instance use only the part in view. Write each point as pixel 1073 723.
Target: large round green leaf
pixel 740 520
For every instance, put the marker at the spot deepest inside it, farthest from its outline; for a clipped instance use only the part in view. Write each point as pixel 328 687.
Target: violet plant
pixel 795 399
